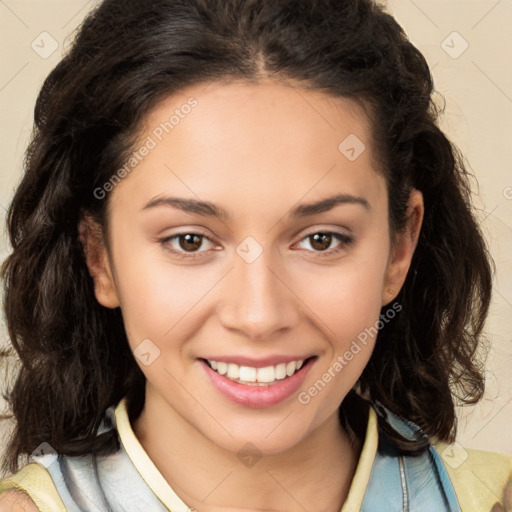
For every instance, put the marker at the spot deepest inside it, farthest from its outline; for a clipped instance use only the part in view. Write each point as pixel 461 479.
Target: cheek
pixel 347 299
pixel 348 306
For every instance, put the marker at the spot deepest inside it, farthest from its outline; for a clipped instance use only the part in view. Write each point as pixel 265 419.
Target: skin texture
pixel 15 501
pixel 257 151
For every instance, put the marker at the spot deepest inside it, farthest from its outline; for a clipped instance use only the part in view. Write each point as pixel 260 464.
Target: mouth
pixel 256 386
pixel 257 376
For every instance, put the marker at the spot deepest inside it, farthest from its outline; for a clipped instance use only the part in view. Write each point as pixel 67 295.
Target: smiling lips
pixel 256 382
pixel 255 376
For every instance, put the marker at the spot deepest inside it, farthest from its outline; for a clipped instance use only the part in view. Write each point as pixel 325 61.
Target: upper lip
pixel 258 363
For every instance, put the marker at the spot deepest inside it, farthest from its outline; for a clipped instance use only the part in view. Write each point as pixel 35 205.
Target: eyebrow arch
pixel 327 204
pixel 207 209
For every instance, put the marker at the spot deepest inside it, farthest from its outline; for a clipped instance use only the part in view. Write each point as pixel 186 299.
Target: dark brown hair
pixel 129 55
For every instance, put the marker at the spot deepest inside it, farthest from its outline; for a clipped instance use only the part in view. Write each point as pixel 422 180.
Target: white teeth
pixel 233 371
pixel 248 374
pixel 266 374
pixel 222 368
pixel 290 368
pixel 281 371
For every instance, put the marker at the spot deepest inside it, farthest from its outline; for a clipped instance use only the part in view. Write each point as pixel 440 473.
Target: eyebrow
pixel 208 209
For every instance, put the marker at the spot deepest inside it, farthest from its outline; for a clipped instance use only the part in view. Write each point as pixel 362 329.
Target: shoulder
pixel 31 488
pixel 42 483
pixel 480 478
pixel 17 501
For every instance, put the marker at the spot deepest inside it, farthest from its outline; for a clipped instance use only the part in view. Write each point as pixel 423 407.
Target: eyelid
pixel 324 229
pixel 338 230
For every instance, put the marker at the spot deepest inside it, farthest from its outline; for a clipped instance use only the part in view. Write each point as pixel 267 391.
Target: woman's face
pixel 216 253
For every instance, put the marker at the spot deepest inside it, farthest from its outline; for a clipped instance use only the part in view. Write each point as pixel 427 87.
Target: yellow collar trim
pixel 361 478
pixel 144 465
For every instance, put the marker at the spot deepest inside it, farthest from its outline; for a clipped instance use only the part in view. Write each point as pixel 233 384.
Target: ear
pixel 402 252
pixel 98 263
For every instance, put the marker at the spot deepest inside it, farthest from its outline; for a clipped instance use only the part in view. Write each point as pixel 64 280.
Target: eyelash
pixel 345 239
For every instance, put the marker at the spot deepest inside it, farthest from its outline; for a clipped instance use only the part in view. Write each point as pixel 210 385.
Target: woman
pixel 243 249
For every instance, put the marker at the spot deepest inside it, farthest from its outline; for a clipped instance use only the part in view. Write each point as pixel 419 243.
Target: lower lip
pixel 257 396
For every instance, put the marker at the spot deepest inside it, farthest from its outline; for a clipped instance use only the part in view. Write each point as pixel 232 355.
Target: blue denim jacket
pixel 407 483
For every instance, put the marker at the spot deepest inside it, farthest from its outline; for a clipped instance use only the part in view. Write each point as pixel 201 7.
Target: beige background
pixel 476 83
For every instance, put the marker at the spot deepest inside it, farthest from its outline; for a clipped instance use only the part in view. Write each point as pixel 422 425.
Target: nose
pixel 259 302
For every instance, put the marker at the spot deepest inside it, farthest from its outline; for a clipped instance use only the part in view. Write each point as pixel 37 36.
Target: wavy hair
pixel 74 358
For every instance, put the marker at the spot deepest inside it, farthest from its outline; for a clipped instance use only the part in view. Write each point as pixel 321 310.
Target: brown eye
pixel 321 241
pixel 187 245
pixel 190 241
pixel 322 244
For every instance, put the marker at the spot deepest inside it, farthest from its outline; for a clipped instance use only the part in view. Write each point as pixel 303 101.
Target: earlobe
pixel 97 261
pixel 402 253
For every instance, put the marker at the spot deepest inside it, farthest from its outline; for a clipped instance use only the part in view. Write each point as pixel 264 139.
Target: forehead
pixel 260 140
pixel 301 116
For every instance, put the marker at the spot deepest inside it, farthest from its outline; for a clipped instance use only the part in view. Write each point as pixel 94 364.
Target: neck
pixel 209 479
